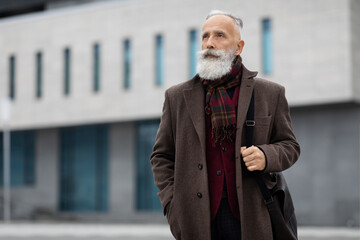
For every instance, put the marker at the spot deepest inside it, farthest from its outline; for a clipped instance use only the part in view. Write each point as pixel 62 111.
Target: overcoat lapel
pixel 246 89
pixel 195 104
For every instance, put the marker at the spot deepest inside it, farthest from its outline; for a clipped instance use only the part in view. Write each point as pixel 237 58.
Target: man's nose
pixel 210 43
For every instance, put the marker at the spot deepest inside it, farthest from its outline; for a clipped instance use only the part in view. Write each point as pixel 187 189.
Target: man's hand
pixel 254 158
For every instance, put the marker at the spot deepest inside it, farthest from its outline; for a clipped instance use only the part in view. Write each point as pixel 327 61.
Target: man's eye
pixel 220 35
pixel 204 36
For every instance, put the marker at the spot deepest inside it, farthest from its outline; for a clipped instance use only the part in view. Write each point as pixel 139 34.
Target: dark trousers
pixel 225 226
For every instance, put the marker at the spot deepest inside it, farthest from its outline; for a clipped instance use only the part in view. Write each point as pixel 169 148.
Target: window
pixel 267 50
pixel 96 67
pixel 38 74
pixel 12 65
pixel 159 61
pixel 194 46
pixel 67 56
pixel 84 168
pixel 22 154
pixel 146 190
pixel 127 64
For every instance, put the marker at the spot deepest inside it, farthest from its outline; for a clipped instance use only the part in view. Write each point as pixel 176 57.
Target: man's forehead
pixel 219 22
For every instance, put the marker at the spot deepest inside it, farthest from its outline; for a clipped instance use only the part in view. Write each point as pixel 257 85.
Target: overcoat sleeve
pixel 283 149
pixel 163 157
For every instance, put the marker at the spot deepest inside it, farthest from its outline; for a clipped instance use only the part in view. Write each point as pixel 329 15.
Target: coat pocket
pixel 263 120
pixel 171 216
pixel 262 130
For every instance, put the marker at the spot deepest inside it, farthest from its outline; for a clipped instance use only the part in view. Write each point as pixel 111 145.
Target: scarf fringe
pixel 220 134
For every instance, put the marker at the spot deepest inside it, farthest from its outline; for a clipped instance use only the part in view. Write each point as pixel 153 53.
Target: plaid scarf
pixel 219 105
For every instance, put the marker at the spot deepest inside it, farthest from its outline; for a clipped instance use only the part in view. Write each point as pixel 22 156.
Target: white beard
pixel 210 68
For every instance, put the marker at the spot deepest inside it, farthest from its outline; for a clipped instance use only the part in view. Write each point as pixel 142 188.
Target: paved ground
pixel 68 231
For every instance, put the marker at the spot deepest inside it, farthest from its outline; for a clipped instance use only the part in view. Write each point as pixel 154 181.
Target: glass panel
pixel 29 153
pixel 96 67
pixel 159 68
pixel 194 47
pixel 127 63
pixel 66 173
pixel 17 158
pixel 22 157
pixel 67 71
pixel 101 167
pixel 12 65
pixel 146 189
pixel 38 74
pixel 267 46
pixel 84 168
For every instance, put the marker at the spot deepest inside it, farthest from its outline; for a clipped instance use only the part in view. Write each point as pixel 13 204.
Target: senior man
pixel 199 161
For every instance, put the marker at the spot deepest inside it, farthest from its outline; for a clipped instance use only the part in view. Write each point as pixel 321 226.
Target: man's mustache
pixel 211 53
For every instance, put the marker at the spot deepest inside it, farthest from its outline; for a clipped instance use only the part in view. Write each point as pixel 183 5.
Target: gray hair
pixel 238 21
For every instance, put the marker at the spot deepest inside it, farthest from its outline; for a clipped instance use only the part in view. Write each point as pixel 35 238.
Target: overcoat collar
pixel 195 104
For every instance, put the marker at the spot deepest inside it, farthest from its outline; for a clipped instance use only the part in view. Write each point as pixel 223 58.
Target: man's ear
pixel 239 47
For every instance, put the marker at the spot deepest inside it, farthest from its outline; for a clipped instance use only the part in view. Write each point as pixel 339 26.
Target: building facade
pixel 87 83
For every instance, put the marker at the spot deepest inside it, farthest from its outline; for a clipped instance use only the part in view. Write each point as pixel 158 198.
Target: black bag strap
pixel 250 124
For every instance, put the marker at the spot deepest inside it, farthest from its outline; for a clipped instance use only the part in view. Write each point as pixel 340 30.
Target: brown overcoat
pixel 179 150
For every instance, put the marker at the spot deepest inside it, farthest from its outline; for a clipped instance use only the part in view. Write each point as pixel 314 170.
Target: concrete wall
pixel 307 59
pixel 122 176
pixel 355 31
pixel 122 170
pixel 325 181
pixel 40 200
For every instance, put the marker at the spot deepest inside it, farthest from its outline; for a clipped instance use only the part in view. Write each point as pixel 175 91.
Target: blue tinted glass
pixel 67 55
pixel 84 168
pixel 267 50
pixel 146 198
pixel 159 68
pixel 12 65
pixel 96 68
pixel 22 155
pixel 38 75
pixel 194 47
pixel 127 64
